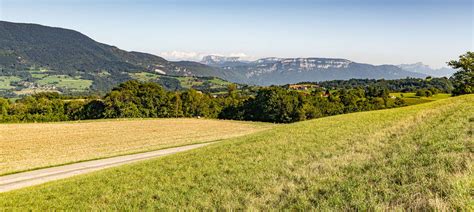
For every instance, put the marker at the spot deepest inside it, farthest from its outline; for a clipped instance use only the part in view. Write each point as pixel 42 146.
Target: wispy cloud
pixel 197 56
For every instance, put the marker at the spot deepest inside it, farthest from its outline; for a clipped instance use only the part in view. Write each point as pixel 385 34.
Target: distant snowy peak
pixel 425 69
pixel 218 60
pixel 415 66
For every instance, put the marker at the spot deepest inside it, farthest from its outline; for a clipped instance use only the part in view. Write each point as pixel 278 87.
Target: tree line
pixel 134 99
pixel 276 104
pixel 435 85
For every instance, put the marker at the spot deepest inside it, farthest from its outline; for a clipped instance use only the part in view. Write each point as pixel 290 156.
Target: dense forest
pixel 440 85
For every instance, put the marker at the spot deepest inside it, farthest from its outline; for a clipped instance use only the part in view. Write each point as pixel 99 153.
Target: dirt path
pixel 24 179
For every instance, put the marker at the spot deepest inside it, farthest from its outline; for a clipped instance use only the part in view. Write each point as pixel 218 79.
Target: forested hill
pixel 62 49
pixel 26 45
pixel 36 58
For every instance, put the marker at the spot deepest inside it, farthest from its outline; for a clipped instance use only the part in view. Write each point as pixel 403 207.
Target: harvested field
pixel 30 146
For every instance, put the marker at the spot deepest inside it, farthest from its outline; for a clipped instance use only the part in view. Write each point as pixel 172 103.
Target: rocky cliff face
pixel 267 71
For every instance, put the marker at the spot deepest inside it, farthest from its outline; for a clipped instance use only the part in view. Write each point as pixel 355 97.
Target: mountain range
pixel 27 48
pixel 272 70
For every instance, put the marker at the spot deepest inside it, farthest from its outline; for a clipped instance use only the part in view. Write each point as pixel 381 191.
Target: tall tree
pixel 463 80
pixel 4 104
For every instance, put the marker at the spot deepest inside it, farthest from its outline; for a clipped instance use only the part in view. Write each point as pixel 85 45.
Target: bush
pixel 424 93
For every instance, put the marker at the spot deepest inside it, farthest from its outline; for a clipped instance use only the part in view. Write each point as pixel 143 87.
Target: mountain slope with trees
pixel 26 49
pixel 68 51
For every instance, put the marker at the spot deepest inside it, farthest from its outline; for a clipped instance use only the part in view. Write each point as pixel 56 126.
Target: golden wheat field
pixel 30 146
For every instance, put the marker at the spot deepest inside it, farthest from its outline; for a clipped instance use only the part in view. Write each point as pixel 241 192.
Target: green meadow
pixel 417 157
pixel 66 82
pixel 5 82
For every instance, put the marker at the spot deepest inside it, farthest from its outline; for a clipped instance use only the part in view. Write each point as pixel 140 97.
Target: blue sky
pixel 371 31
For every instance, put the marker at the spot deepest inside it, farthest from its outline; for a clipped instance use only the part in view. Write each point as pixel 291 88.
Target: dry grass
pixel 29 146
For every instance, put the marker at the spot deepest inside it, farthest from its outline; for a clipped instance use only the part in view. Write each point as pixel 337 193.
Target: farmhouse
pixel 302 87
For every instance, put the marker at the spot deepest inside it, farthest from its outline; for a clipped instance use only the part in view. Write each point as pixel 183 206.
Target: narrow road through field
pixel 24 179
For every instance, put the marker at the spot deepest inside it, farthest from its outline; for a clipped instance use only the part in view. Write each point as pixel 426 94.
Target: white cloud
pixel 197 56
pixel 179 55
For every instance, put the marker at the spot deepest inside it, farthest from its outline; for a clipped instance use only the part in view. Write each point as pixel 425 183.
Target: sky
pixel 368 31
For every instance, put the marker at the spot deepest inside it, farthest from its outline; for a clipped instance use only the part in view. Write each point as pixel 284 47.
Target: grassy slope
pixel 66 82
pixel 412 157
pixel 44 77
pixel 412 99
pixel 29 146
